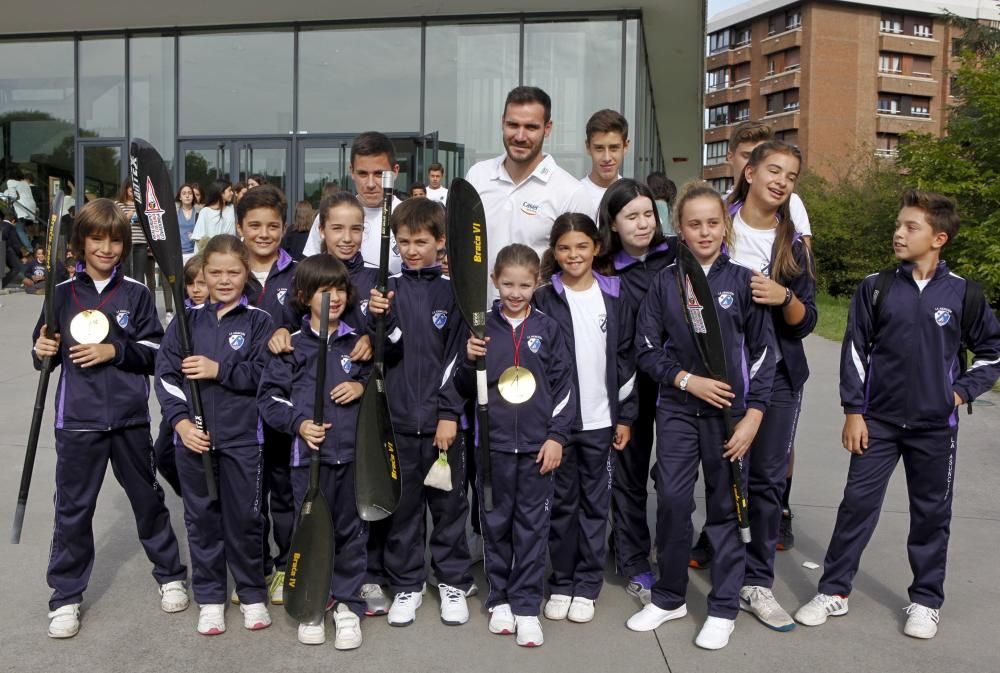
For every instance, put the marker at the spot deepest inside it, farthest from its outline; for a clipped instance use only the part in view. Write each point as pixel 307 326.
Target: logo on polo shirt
pixel 603 321
pixel 121 317
pixel 282 293
pixel 236 340
pixel 942 316
pixel 534 343
pixel 529 208
pixel 345 363
pixel 725 299
pixel 439 318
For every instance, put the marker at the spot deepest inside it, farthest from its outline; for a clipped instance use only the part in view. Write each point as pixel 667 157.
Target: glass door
pixel 267 158
pixel 205 161
pixel 323 163
pixel 99 170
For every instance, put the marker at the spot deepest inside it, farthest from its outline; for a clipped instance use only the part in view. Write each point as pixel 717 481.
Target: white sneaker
pixel 819 608
pixel 581 610
pixel 173 596
pixel 922 621
pixel 276 589
pixel 529 631
pixel 212 619
pixel 454 607
pixel 502 620
pixel 255 616
pixel 714 635
pixel 64 622
pixel 348 628
pixel 652 616
pixel 557 607
pixel 404 607
pixel 312 634
pixel 760 602
pixel 376 602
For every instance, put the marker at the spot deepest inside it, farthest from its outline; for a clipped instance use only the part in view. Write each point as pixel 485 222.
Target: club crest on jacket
pixel 942 316
pixel 282 293
pixel 725 299
pixel 534 343
pixel 236 340
pixel 439 318
pixel 345 363
pixel 121 317
pixel 363 306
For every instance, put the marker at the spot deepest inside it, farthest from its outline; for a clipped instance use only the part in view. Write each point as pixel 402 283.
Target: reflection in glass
pixel 270 162
pixel 359 79
pixel 579 65
pixel 102 169
pixel 322 166
pixel 469 70
pixel 102 87
pixel 232 83
pixel 205 161
pixel 151 65
pixel 37 113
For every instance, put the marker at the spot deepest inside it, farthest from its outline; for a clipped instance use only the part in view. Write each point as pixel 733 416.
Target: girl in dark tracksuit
pixel 102 415
pixel 637 250
pixel 286 395
pixel 527 430
pixel 229 338
pixel 688 423
pixel 765 240
pixel 599 330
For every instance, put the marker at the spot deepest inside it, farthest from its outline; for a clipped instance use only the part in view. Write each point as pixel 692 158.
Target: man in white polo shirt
pixel 372 154
pixel 435 190
pixel 607 143
pixel 523 190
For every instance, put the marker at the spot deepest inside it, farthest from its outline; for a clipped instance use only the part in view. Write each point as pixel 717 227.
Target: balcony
pixel 729 57
pixel 789 79
pixel 715 171
pixel 899 124
pixel 717 133
pixel 783 121
pixel 907 44
pixel 781 41
pixel 883 153
pixel 732 94
pixel 908 86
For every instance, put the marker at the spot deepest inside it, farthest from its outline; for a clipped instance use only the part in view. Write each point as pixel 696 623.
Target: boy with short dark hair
pixel 901 385
pixel 606 143
pixel 425 407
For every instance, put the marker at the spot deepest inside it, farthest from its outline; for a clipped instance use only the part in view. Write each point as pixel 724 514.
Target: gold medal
pixel 516 384
pixel 89 327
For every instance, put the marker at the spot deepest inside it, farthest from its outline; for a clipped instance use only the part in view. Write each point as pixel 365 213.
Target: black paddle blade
pixel 310 561
pixel 468 257
pixel 377 482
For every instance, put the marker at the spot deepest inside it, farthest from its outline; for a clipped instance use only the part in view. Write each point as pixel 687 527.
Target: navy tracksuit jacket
pixel 102 415
pixel 518 526
pixel 628 494
pixel 231 529
pixel 901 375
pixel 286 397
pixel 578 537
pixel 690 430
pixel 363 278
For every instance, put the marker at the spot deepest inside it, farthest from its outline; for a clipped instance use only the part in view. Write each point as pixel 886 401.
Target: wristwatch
pixel 788 297
pixel 683 385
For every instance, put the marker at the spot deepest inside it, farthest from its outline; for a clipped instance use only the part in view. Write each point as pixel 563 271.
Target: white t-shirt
pixel 439 194
pixel 261 276
pixel 212 222
pixel 596 193
pixel 753 246
pixel 921 284
pixel 99 285
pixel 590 333
pixel 800 218
pixel 24 207
pixel 371 242
pixel 524 213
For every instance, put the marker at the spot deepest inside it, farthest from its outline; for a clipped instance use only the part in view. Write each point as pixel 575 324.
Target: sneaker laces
pixel 825 601
pixel 922 612
pixel 762 600
pixel 404 597
pixel 451 594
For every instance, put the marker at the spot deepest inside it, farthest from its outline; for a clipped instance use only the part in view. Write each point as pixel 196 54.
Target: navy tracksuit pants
pixel 228 531
pixel 163 449
pixel 929 461
pixel 277 499
pixel 629 494
pixel 404 551
pixel 350 533
pixel 578 535
pixel 516 532
pixel 768 458
pixel 684 440
pixel 81 463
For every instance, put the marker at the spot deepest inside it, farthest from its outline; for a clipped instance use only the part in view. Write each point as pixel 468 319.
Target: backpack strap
pixel 972 300
pixel 882 285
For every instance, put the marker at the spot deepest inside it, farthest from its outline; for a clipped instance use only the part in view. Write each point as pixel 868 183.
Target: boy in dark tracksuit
pixel 286 396
pixel 629 486
pixel 901 388
pixel 102 414
pixel 424 333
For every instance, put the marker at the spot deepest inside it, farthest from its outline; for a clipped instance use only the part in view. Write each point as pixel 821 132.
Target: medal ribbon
pixel 76 299
pixel 517 342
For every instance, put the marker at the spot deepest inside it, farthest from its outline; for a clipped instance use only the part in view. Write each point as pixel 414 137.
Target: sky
pixel 716 6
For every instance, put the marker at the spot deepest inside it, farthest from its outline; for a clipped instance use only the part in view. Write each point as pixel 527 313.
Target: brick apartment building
pixel 834 77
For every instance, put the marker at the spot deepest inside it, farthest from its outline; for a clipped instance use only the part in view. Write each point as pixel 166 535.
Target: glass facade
pixel 286 101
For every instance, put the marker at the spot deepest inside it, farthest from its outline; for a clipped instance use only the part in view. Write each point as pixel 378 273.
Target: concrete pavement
pixel 123 628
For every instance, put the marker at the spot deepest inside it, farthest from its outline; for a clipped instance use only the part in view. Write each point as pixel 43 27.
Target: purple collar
pixel 609 286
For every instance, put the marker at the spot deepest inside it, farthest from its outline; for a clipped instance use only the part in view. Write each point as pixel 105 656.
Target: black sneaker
pixel 786 538
pixel 701 553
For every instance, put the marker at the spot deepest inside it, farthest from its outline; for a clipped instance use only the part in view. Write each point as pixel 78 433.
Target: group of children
pixel 583 350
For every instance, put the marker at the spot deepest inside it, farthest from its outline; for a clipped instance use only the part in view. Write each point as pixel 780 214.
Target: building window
pixel 886 144
pixel 890 63
pixel 742 36
pixel 718 116
pixel 793 20
pixel 718 79
pixel 956 46
pixel 920 107
pixel 742 73
pixel 721 185
pixel 921 66
pixel 792 59
pixel 891 23
pixel 888 104
pixel 921 30
pixel 741 111
pixel 791 101
pixel 775 24
pixel 715 153
pixel 719 41
pixel 791 136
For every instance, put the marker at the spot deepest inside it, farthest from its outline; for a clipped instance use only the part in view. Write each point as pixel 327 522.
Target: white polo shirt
pixel 596 193
pixel 370 243
pixel 524 213
pixel 439 194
